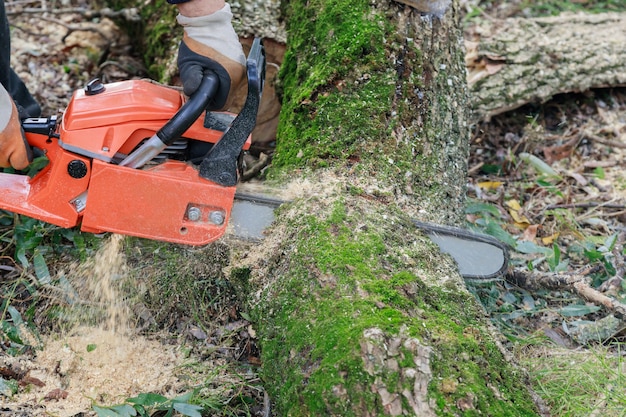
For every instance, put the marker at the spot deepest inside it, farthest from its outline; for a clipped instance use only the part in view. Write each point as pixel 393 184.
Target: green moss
pixel 344 280
pixel 335 80
pixel 358 92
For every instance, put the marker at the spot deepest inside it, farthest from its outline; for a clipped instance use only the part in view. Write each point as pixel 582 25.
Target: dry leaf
pixel 530 233
pixel 490 185
pixel 515 212
pixel 29 380
pixel 548 240
pixel 56 394
pixel 580 179
pixel 558 152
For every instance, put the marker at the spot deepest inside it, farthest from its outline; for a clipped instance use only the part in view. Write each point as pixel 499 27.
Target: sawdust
pixel 103 362
pixel 93 365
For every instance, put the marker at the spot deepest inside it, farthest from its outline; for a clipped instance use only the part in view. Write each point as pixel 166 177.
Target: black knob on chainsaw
pixel 94 87
pixel 77 169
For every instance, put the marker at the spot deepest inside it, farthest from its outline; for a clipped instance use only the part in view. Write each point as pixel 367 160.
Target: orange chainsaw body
pixel 82 185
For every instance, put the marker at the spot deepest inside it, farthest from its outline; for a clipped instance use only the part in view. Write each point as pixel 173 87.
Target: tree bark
pixel 519 61
pixel 357 313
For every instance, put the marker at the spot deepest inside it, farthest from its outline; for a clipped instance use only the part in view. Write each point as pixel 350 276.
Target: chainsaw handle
pixel 190 111
pixel 38 132
pixel 177 125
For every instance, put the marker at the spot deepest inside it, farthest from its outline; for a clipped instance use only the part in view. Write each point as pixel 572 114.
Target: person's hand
pixel 211 44
pixel 13 151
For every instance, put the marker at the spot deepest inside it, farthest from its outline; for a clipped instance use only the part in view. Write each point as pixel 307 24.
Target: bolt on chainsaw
pixel 140 159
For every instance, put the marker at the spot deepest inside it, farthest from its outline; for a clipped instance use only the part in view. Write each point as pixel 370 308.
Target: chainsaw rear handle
pixel 177 125
pixel 38 131
pixel 190 111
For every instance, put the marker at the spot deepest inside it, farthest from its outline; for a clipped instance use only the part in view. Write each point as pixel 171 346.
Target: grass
pixel 578 383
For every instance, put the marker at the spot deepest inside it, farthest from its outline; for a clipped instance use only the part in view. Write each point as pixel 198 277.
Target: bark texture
pixel 357 314
pixel 520 61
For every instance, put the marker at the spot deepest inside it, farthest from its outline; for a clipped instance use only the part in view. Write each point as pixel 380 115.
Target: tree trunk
pixel 358 314
pixel 519 61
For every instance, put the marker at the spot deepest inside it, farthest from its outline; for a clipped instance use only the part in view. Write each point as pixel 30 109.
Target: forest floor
pixel 562 212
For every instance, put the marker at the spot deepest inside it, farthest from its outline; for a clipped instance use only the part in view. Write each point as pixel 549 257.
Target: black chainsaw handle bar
pixel 190 111
pixel 176 126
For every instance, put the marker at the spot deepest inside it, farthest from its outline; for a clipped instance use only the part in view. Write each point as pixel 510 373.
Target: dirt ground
pixel 581 136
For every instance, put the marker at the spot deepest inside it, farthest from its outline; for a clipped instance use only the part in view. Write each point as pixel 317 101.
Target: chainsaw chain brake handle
pixel 176 126
pixel 220 163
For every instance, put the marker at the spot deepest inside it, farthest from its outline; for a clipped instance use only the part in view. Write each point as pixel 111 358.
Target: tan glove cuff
pixel 216 32
pixel 6 104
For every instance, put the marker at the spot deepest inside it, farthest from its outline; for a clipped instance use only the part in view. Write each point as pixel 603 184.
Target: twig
pixel 267 404
pixel 603 141
pixel 256 167
pixel 590 294
pixel 74 28
pixel 587 205
pixel 576 283
pixel 535 280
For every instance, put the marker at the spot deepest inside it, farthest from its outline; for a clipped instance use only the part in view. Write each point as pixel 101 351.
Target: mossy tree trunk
pixel 357 313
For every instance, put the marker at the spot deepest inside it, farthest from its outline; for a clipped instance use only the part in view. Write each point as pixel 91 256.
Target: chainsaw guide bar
pixel 478 256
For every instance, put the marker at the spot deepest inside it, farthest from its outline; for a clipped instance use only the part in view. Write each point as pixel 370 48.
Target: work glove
pixel 13 151
pixel 211 44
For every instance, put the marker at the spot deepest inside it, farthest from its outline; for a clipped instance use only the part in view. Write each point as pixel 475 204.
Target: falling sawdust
pixel 98 364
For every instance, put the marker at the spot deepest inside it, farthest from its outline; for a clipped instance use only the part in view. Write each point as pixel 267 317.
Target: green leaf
pixel 91 347
pixel 529 247
pixel 610 241
pixel 480 207
pixel 148 399
pixel 187 409
pixel 8 388
pixel 106 412
pixel 185 398
pixel 41 269
pixel 16 317
pixel 493 228
pixel 20 254
pixel 37 165
pixel 124 410
pixel 574 310
pixel 599 173
pixel 539 165
pixel 594 255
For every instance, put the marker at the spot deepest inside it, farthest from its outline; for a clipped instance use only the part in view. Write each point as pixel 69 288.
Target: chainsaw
pixel 137 158
pixel 140 159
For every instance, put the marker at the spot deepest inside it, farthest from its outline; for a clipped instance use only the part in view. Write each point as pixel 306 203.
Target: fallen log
pixel 520 60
